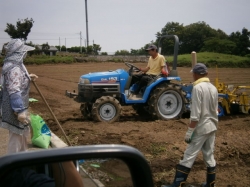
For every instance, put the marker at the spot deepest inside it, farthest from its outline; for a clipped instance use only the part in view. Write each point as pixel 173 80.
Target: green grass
pixel 157 148
pixel 43 59
pixel 210 59
pixel 213 59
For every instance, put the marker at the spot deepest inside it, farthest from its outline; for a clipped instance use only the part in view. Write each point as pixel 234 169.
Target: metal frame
pixel 176 47
pixel 137 164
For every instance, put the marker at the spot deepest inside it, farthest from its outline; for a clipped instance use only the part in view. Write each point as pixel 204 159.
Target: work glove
pixel 189 134
pixel 164 72
pixel 23 118
pixel 33 77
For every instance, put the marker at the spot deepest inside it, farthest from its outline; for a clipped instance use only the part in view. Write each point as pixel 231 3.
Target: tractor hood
pixel 103 77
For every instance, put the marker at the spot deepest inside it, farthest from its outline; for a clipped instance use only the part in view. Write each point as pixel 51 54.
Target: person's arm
pixel 13 83
pixel 163 66
pixel 145 69
pixel 163 71
pixel 196 104
pixel 66 175
pixel 195 114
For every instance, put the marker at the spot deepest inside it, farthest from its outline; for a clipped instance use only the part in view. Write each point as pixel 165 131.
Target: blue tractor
pixel 102 94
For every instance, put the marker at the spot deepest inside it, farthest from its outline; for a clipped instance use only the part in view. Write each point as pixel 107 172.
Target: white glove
pixel 189 134
pixel 23 118
pixel 33 77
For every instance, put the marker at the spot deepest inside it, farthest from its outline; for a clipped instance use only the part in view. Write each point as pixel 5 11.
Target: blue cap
pixel 151 47
pixel 199 68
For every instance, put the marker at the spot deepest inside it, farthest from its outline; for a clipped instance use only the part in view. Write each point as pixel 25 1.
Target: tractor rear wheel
pixel 166 102
pixel 106 109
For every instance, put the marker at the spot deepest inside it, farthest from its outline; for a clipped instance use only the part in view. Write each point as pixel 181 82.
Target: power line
pixel 52 33
pixel 41 39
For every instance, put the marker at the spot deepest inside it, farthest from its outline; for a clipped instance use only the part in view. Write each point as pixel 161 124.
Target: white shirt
pixel 204 108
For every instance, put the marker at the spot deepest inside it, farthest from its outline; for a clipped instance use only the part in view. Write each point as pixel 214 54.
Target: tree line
pixel 23 28
pixel 199 37
pixel 91 49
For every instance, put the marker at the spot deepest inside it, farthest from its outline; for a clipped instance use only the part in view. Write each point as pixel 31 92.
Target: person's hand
pixel 189 134
pixel 164 72
pixel 33 77
pixel 22 117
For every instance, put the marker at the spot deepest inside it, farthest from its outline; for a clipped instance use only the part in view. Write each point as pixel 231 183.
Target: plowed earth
pixel 160 141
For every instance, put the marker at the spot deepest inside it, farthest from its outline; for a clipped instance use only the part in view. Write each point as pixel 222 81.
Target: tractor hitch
pixel 71 94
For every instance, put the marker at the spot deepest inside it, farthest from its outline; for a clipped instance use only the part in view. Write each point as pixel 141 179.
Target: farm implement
pixel 232 99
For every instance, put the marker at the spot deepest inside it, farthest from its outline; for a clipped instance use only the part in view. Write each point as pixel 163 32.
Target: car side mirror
pixel 137 165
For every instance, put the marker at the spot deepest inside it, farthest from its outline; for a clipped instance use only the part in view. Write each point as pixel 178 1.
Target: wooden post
pixel 194 58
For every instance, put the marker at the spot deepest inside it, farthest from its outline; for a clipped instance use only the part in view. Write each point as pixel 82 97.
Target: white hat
pixel 16 45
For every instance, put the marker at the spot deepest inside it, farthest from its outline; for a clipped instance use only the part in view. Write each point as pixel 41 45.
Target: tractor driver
pixel 156 66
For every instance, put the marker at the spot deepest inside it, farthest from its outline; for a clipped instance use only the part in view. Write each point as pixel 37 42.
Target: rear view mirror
pixel 108 165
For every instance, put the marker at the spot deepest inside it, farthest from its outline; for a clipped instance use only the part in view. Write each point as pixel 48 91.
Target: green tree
pixel 96 48
pixel 194 36
pixel 242 42
pixel 134 51
pixel 219 46
pixel 21 30
pixel 90 49
pixel 171 28
pixel 63 48
pixel 45 48
pixel 122 52
pixel 83 49
pixel 104 53
pixel 221 34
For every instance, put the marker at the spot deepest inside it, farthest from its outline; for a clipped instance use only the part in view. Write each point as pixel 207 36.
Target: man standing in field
pixel 201 130
pixel 156 66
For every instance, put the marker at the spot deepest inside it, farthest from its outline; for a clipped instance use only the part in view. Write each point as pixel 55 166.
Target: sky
pixel 118 24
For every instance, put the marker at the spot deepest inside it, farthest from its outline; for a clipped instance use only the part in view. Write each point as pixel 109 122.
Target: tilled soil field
pixel 162 142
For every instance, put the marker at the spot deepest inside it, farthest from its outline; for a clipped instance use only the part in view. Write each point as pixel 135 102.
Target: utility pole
pixel 80 41
pixel 65 46
pixel 59 44
pixel 87 29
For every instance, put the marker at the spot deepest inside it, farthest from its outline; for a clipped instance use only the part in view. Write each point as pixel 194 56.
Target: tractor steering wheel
pixel 132 66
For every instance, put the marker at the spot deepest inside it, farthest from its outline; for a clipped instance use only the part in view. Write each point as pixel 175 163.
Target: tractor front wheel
pixel 106 109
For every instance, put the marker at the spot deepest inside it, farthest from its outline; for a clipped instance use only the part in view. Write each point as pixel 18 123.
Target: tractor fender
pixel 156 83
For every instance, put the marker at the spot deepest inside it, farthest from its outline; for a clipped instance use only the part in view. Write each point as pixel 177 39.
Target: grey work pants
pixel 204 143
pixel 17 142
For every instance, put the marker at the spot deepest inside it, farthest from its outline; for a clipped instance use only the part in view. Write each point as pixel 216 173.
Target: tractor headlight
pixel 84 81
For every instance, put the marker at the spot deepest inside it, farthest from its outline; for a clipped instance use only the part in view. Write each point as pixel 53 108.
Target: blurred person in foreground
pixel 14 96
pixel 200 135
